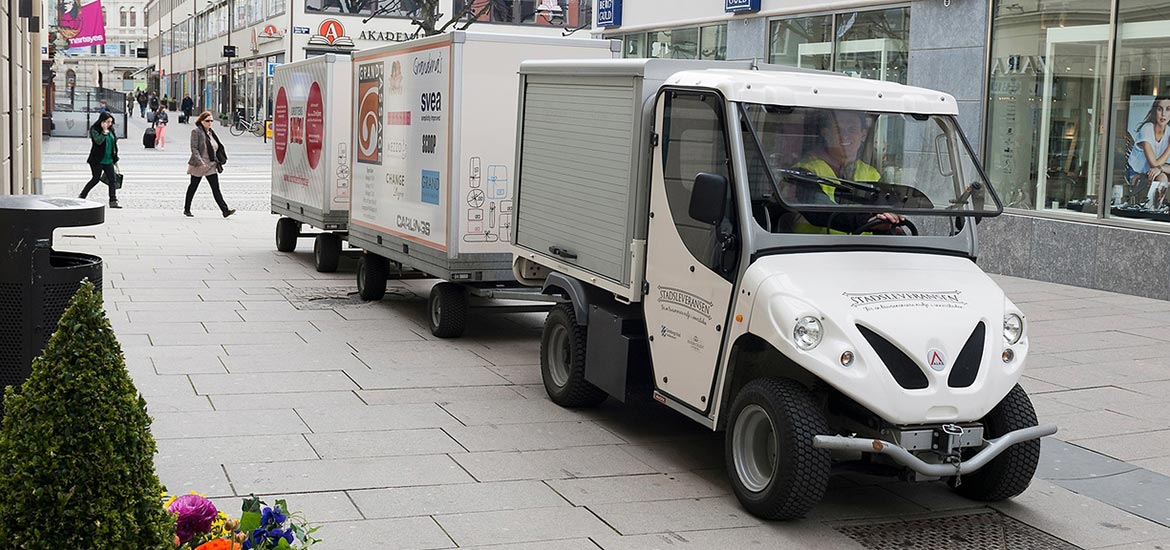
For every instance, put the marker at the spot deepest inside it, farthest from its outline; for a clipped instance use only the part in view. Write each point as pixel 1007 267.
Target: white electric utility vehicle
pixel 785 255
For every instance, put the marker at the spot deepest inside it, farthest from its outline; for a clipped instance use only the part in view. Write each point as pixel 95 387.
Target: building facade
pixel 20 96
pixel 113 65
pixel 188 38
pixel 1066 101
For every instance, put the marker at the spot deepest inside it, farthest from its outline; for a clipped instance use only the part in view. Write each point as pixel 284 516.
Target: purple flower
pixel 195 515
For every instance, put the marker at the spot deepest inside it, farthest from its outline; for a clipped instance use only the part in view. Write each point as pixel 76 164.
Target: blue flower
pixel 272 517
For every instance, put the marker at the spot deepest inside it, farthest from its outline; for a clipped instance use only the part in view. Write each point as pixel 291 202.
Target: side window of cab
pixel 694 140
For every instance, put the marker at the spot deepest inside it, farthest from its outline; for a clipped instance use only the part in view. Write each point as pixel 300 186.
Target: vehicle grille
pixel 905 371
pixel 966 366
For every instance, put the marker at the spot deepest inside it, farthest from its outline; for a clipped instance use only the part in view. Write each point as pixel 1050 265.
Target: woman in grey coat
pixel 207 159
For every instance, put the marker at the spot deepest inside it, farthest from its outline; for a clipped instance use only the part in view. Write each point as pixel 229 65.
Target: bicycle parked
pixel 247 125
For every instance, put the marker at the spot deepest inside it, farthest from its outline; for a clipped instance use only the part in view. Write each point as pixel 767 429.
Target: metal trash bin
pixel 37 282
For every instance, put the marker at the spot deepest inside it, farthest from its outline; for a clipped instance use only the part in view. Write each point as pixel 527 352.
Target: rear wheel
pixel 775 471
pixel 562 360
pixel 287 231
pixel 447 306
pixel 1008 474
pixel 373 270
pixel 327 252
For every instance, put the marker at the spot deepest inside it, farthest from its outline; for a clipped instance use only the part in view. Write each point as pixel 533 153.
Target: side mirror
pixel 708 198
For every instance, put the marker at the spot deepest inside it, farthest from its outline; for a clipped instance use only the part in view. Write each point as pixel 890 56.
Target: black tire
pixel 1010 473
pixel 373 270
pixel 447 310
pixel 327 252
pixel 287 232
pixel 779 475
pixel 562 360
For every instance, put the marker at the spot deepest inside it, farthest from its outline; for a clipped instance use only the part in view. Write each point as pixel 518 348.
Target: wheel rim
pixel 362 277
pixel 317 251
pixel 436 312
pixel 754 448
pixel 558 355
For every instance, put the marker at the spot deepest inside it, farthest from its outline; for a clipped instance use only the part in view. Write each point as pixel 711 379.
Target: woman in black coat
pixel 103 155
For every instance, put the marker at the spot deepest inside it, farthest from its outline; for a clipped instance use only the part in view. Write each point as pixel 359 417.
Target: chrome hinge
pixel 654 139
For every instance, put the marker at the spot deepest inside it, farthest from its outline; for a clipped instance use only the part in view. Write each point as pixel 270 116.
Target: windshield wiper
pixel 839 183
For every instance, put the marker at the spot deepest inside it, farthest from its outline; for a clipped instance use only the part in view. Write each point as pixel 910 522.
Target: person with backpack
pixel 153 103
pixel 160 126
pixel 207 160
pixel 103 155
pixel 141 104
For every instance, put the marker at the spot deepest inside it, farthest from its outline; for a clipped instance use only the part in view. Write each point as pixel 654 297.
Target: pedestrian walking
pixel 103 155
pixel 207 160
pixel 160 128
pixel 187 106
pixel 141 104
pixel 153 102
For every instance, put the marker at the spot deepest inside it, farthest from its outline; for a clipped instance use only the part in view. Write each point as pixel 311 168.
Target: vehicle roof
pixel 805 88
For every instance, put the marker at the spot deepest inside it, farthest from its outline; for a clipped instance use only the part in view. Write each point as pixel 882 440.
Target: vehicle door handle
pixel 566 254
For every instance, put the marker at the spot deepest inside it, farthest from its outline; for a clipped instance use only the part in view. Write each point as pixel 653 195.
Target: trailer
pixel 433 162
pixel 310 160
pixel 783 254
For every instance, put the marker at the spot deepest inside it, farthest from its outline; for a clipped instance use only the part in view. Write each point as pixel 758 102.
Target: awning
pixel 139 71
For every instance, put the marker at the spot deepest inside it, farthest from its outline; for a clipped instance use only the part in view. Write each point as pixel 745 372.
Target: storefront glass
pixel 713 42
pixel 634 45
pixel 674 44
pixel 1046 97
pixel 866 44
pixel 1140 138
pixel 803 42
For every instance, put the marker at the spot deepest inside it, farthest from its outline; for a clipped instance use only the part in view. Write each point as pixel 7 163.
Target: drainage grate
pixel 334 297
pixel 980 531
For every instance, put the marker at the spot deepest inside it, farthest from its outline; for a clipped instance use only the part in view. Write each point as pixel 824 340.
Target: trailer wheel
pixel 1008 474
pixel 774 469
pixel 373 270
pixel 327 252
pixel 447 308
pixel 287 231
pixel 562 360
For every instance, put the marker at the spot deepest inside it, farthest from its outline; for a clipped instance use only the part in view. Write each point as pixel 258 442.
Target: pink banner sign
pixel 82 24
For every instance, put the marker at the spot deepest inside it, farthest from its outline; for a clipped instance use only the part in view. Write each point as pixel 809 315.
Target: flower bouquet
pixel 200 526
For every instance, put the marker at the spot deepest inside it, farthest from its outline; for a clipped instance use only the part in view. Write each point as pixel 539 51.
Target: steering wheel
pixel 874 223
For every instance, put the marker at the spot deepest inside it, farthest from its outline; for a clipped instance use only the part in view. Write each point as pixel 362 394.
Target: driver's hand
pixel 889 217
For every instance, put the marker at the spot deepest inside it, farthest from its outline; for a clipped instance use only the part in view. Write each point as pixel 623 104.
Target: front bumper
pixel 991 449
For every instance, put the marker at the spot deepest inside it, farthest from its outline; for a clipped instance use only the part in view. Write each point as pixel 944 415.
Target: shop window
pixel 1139 173
pixel 673 44
pixel 804 42
pixel 713 42
pixel 634 45
pixel 383 8
pixel 1045 105
pixel 866 44
pixel 561 13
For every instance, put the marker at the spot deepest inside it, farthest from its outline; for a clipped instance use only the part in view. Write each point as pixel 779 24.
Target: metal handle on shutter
pixel 564 253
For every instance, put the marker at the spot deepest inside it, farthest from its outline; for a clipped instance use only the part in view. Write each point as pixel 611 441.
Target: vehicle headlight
pixel 807 333
pixel 1013 328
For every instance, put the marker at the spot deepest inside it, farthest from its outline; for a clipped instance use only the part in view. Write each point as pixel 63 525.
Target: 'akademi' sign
pixel 741 6
pixel 609 13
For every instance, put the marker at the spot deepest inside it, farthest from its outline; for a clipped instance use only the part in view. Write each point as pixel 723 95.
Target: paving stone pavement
pixel 392 439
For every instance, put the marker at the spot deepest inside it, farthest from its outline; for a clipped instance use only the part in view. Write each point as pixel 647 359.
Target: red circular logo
pixel 314 126
pixel 280 125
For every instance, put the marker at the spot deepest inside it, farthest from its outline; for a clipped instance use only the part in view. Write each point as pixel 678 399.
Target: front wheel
pixel 447 305
pixel 326 252
pixel 373 270
pixel 562 360
pixel 287 231
pixel 1008 474
pixel 258 128
pixel 775 471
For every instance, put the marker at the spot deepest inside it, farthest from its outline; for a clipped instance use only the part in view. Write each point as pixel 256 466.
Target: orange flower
pixel 219 544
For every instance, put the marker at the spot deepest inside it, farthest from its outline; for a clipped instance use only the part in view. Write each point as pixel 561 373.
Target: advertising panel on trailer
pixel 433 163
pixel 310 154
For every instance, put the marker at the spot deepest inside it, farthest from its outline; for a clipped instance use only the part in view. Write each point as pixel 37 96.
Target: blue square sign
pixel 430 186
pixel 609 13
pixel 741 6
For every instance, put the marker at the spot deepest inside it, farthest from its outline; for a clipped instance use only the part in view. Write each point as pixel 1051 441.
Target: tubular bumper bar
pixel 991 449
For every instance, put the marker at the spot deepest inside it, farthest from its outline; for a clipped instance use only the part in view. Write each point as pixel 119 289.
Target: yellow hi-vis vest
pixel 861 172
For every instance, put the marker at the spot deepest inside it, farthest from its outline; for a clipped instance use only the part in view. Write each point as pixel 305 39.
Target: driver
pixel 841 137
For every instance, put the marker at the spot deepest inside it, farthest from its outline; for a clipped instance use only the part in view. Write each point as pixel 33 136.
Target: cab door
pixel 690 264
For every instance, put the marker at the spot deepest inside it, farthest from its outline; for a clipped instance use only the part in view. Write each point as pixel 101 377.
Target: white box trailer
pixel 433 160
pixel 310 160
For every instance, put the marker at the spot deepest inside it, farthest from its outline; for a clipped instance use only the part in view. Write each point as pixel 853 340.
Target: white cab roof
pixel 817 89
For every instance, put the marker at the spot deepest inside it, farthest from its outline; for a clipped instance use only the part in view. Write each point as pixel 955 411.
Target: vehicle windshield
pixel 825 162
